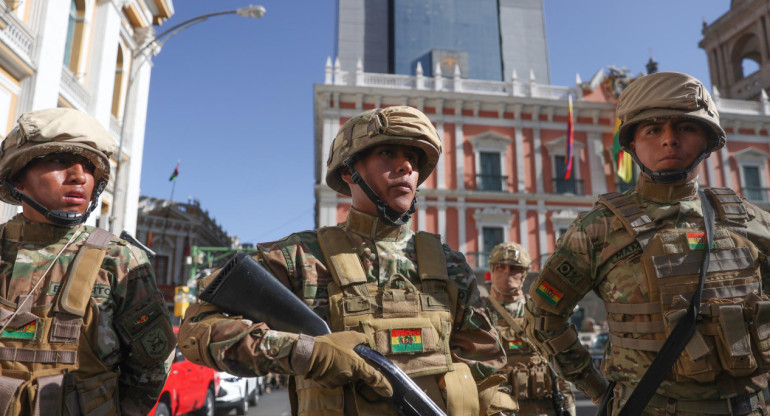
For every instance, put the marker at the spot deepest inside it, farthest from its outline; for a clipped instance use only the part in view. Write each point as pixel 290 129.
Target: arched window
pixel 117 89
pixel 72 47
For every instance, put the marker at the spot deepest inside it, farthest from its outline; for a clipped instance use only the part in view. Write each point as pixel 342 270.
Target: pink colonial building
pixel 500 175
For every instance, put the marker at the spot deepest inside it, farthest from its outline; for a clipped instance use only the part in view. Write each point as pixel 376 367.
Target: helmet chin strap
pixel 63 218
pixel 514 292
pixel 668 175
pixel 385 213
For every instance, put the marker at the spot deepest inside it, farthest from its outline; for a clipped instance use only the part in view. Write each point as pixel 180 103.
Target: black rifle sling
pixel 682 333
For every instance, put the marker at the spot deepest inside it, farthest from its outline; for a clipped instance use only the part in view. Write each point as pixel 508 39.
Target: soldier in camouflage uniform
pixel 641 252
pixel 527 372
pixel 84 327
pixel 374 281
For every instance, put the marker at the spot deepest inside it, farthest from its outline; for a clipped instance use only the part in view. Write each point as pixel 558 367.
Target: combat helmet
pixel 510 253
pixel 396 125
pixel 53 130
pixel 666 95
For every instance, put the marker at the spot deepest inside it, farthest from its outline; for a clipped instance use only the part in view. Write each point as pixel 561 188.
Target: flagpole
pixel 171 202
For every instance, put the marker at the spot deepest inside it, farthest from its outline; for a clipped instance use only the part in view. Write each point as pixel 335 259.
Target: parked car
pixel 189 388
pixel 237 393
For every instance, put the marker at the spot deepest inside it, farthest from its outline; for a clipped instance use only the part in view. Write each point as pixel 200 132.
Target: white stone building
pixel 79 54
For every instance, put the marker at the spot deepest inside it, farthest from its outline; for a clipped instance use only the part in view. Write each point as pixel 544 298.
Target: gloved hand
pixel 333 363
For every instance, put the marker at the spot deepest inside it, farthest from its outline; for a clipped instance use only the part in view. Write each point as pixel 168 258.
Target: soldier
pixel 528 375
pixel 641 252
pixel 84 327
pixel 374 281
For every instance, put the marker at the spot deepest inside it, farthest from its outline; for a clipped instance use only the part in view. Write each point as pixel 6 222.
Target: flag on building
pixel 149 239
pixel 187 246
pixel 625 165
pixel 175 174
pixel 570 140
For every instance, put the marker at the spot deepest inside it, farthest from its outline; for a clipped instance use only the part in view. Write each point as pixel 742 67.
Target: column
pixel 596 163
pixel 459 155
pixel 461 225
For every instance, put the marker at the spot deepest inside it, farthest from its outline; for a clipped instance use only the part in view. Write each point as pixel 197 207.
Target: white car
pixel 237 393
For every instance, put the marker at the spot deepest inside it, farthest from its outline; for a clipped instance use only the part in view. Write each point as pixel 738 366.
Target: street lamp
pixel 248 11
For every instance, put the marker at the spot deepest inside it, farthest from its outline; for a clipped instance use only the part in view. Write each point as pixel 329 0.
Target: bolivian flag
pixel 625 166
pixel 515 344
pixel 696 240
pixel 570 140
pixel 406 339
pixel 25 332
pixel 550 294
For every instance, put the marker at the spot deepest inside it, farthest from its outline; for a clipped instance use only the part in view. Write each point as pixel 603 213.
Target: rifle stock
pixel 557 398
pixel 243 287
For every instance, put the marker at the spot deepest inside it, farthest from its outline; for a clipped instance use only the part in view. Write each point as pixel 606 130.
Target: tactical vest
pixel 40 346
pixel 733 334
pixel 530 379
pixel 409 323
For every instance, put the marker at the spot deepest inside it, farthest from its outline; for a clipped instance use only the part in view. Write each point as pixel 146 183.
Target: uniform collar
pixel 661 192
pixel 19 229
pixel 373 228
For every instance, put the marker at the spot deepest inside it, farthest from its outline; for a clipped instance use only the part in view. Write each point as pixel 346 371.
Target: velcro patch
pixel 100 291
pixel 697 241
pixel 25 332
pixel 550 294
pixel 515 344
pixel 155 343
pixel 566 270
pixel 406 340
pixel 141 319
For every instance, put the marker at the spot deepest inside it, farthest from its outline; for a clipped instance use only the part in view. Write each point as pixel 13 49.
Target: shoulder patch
pixel 547 292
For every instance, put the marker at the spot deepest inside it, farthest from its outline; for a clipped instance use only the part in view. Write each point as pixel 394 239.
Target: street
pixel 277 404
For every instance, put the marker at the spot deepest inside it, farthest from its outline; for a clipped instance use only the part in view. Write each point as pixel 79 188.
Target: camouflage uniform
pixel 636 251
pixel 84 327
pixel 242 347
pixel 522 356
pixel 126 336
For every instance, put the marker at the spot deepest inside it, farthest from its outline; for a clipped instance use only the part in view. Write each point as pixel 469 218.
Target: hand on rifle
pixel 333 363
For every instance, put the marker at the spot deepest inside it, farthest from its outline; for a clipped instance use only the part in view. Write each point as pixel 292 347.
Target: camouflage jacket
pixel 519 350
pixel 597 253
pixel 243 347
pixel 129 327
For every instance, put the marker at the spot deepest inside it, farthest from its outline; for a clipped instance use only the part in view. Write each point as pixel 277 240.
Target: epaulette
pixel 729 207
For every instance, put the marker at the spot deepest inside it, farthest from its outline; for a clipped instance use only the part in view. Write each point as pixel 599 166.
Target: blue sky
pixel 232 97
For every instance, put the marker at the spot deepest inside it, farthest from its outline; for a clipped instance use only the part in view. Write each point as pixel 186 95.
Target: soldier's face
pixel 672 143
pixel 391 171
pixel 59 181
pixel 507 278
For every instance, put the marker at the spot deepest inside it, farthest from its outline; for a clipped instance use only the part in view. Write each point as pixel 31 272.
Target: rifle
pixel 243 287
pixel 557 398
pixel 131 239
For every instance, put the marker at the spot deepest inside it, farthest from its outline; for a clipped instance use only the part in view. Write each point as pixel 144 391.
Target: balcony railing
pixel 756 194
pixel 491 183
pixel 568 186
pixel 478 259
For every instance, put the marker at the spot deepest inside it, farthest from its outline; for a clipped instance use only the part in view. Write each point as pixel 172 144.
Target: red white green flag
pixel 175 174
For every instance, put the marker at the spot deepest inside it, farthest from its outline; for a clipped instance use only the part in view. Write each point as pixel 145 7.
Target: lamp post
pixel 248 11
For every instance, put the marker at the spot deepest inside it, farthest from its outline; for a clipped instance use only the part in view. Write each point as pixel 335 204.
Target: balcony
pixel 495 183
pixel 756 194
pixel 568 186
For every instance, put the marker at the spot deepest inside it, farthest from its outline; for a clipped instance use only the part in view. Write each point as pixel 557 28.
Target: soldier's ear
pixel 346 175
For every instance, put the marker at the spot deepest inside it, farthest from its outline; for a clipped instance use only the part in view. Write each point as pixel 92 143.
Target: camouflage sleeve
pixel 758 231
pixel 239 346
pixel 474 340
pixel 568 274
pixel 144 329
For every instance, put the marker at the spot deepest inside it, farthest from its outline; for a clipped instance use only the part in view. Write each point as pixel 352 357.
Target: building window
pixel 492 237
pixel 492 225
pixel 160 265
pixel 751 166
pixel 566 186
pixel 74 35
pixel 490 151
pixel 491 177
pixel 752 184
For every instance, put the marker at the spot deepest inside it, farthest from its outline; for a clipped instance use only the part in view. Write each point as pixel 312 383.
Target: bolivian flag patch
pixel 550 294
pixel 25 332
pixel 697 241
pixel 515 344
pixel 406 340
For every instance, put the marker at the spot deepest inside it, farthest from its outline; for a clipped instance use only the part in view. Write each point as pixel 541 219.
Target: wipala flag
pixel 570 139
pixel 175 174
pixel 625 165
